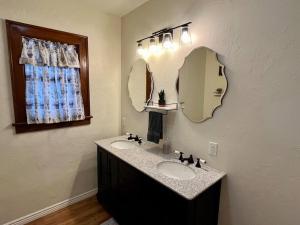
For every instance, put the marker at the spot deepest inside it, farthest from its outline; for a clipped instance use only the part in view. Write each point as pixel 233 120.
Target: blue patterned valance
pixel 39 52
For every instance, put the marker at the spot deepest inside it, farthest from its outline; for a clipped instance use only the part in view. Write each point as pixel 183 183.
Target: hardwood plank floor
pixel 86 212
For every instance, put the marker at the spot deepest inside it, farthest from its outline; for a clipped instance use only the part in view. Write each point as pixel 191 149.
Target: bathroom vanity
pixel 134 188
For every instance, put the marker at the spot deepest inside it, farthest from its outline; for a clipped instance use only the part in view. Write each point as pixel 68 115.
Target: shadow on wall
pixel 86 171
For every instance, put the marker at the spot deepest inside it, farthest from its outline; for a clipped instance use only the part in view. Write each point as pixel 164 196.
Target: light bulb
pixel 185 35
pixel 152 46
pixel 145 54
pixel 167 41
pixel 158 50
pixel 140 49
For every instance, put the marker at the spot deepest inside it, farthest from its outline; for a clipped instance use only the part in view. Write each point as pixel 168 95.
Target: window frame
pixel 15 31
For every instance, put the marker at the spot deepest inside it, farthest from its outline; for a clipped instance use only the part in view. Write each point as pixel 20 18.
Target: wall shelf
pixel 156 107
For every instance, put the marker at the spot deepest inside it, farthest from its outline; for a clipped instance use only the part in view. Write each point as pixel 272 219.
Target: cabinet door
pixel 163 205
pixel 102 171
pixel 111 200
pixel 130 194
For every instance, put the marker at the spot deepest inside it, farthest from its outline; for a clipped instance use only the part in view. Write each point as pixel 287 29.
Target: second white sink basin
pixel 122 144
pixel 176 170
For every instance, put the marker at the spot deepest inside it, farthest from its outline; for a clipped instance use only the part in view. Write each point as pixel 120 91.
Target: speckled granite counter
pixel 145 157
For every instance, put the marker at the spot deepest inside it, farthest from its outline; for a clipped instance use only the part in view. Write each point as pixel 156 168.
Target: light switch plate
pixel 213 149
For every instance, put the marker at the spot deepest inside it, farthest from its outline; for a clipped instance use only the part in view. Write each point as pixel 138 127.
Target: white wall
pixel 42 168
pixel 258 126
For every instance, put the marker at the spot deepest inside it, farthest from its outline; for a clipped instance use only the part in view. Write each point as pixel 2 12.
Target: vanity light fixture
pixel 164 37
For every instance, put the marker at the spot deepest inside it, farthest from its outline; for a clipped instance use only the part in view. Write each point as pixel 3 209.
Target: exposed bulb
pixel 158 50
pixel 140 49
pixel 185 35
pixel 167 41
pixel 152 46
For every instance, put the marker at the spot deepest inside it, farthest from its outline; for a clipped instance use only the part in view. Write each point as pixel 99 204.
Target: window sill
pixel 24 127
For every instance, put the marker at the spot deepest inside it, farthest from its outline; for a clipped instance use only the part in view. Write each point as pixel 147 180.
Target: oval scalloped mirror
pixel 201 84
pixel 140 85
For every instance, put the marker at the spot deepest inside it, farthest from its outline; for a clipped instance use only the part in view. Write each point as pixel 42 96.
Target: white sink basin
pixel 122 144
pixel 176 170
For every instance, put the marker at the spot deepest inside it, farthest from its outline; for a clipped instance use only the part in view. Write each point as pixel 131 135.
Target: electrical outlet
pixel 213 149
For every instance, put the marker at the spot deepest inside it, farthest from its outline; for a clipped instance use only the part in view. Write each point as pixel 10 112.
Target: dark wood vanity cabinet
pixel 134 198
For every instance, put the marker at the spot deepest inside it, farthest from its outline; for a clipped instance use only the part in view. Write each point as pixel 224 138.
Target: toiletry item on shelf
pixel 167 146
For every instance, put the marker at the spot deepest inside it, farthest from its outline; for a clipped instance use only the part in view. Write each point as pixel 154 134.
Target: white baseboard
pixel 53 208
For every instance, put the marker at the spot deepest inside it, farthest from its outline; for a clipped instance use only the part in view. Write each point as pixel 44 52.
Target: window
pixel 47 93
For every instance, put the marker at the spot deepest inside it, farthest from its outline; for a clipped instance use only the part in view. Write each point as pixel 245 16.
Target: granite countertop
pixel 145 157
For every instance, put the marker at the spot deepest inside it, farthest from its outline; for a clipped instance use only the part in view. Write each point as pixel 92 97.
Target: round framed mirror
pixel 201 84
pixel 140 85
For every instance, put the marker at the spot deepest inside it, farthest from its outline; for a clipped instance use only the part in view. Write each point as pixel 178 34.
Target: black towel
pixel 155 127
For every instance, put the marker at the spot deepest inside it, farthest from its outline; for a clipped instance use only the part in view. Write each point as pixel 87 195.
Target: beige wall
pixel 258 126
pixel 42 168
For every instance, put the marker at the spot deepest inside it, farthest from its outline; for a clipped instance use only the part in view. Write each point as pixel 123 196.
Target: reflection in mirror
pixel 140 85
pixel 201 84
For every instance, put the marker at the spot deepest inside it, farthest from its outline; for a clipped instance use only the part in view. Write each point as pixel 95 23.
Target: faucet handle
pixel 203 161
pixel 140 140
pixel 130 135
pixel 136 138
pixel 181 156
pixel 198 165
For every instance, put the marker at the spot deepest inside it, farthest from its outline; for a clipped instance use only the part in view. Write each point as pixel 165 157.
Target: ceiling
pixel 116 7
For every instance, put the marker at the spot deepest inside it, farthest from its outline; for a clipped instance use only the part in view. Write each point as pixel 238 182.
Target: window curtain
pixel 53 90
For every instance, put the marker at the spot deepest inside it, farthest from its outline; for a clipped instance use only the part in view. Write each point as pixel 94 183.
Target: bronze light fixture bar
pixel 160 33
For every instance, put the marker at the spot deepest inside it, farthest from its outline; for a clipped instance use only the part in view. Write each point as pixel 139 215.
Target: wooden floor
pixel 86 212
